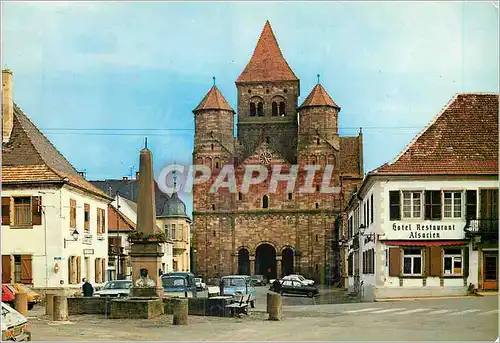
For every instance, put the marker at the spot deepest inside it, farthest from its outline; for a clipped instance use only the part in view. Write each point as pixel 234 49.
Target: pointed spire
pixel 319 97
pixel 213 77
pixel 213 101
pixel 318 78
pixel 267 62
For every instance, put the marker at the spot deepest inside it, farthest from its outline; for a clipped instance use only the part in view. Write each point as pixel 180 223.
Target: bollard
pixel 274 306
pixel 21 303
pixel 180 310
pixel 60 310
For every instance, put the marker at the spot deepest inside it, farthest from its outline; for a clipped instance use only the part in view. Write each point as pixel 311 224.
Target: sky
pixel 99 77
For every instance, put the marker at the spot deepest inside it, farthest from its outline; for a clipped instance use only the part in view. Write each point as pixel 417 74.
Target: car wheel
pixel 310 294
pixel 252 304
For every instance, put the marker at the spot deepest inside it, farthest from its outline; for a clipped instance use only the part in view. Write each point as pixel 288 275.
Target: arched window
pixel 265 201
pixel 282 108
pixel 317 205
pixel 260 109
pixel 216 165
pixel 268 140
pixel 212 146
pixel 253 112
pixel 240 196
pixel 317 141
pixel 275 109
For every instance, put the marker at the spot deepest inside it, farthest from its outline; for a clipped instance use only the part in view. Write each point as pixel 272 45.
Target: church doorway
pixel 265 261
pixel 243 262
pixel 287 261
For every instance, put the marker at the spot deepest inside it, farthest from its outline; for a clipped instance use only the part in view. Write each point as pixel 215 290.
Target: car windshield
pixel 173 281
pixel 117 285
pixel 257 277
pixel 237 282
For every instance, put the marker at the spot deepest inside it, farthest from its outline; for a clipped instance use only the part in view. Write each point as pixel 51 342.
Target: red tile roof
pixel 118 220
pixel 29 157
pixel 462 140
pixel 267 62
pixel 319 97
pixel 214 100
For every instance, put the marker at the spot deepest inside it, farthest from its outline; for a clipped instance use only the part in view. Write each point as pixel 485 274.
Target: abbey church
pixel 271 233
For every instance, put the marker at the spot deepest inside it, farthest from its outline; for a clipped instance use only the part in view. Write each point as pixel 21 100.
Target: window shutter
pixel 36 210
pixel 471 204
pixel 395 210
pixel 72 213
pixel 26 269
pixel 78 269
pixel 466 262
pixel 103 270
pixel 6 268
pixel 98 220
pixel 436 261
pixel 427 261
pixel 5 210
pixel 394 261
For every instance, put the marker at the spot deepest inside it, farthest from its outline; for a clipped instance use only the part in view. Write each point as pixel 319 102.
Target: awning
pixel 425 243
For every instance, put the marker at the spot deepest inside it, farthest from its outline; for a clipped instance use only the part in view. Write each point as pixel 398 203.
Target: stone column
pixel 21 303
pixel 279 272
pixel 49 304
pixel 60 312
pixel 180 311
pixel 252 265
pixel 274 307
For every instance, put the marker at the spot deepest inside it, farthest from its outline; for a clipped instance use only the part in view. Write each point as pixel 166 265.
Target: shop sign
pixel 425 230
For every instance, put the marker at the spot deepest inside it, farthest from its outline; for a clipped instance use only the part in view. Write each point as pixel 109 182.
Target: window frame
pixel 453 200
pixel 13 220
pixel 412 204
pixel 412 265
pixel 453 256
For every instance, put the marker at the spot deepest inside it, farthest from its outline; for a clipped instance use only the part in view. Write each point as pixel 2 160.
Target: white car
pixel 115 288
pixel 14 325
pixel 200 285
pixel 298 278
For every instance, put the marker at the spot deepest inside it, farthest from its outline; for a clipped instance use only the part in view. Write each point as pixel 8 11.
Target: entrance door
pixel 490 270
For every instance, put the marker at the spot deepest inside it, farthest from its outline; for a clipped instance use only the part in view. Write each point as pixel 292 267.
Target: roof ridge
pixel 44 137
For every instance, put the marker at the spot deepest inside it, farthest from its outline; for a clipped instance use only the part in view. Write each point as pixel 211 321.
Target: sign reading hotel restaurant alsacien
pixel 426 230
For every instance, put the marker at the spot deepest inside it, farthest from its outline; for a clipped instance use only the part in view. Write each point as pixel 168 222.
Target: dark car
pixel 297 287
pixel 257 280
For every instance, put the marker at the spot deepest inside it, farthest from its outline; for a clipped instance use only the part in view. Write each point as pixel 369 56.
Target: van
pixel 233 285
pixel 14 325
pixel 179 284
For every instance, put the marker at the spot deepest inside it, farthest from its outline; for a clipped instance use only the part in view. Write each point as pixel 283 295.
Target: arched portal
pixel 243 262
pixel 287 261
pixel 265 261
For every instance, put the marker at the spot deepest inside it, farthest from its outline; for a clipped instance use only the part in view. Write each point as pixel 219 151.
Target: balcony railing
pixel 483 226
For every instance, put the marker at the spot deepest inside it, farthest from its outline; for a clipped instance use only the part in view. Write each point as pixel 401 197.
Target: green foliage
pixel 138 236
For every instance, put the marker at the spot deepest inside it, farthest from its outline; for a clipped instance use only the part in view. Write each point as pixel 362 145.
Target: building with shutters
pixel 426 223
pixel 271 233
pixel 54 222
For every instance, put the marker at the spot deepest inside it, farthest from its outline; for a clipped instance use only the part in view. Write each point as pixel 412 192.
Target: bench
pixel 240 305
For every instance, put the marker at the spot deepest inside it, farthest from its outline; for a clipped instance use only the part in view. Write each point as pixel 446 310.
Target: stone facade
pixel 260 231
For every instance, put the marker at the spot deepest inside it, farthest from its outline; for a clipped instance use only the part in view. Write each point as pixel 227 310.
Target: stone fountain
pixel 146 293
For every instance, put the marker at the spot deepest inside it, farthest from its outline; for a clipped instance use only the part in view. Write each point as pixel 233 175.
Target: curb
pixel 429 298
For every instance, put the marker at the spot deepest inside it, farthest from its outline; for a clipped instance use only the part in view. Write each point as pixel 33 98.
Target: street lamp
pixel 74 235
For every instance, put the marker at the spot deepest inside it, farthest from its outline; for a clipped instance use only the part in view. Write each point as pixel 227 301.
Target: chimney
pixel 137 175
pixel 7 105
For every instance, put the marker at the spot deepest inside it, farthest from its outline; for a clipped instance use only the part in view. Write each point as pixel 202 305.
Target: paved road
pixel 459 319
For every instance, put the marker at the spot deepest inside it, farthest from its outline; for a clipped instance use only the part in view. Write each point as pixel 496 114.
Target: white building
pixel 54 226
pixel 426 224
pixel 121 223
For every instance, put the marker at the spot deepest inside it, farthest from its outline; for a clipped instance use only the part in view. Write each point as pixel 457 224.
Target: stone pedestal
pixel 146 255
pixel 136 308
pixel 49 304
pixel 180 311
pixel 274 307
pixel 21 303
pixel 60 312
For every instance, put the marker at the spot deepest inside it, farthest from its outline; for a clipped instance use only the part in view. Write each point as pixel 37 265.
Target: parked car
pixel 8 295
pixel 179 284
pixel 115 288
pixel 33 297
pixel 14 325
pixel 257 280
pixel 297 277
pixel 200 285
pixel 233 285
pixel 297 287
